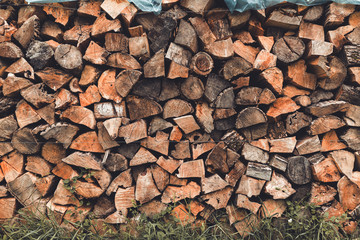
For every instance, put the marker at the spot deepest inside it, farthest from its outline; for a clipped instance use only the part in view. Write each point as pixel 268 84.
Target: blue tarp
pixel 233 5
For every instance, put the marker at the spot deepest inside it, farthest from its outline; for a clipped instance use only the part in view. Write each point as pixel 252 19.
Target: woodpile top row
pixel 102 105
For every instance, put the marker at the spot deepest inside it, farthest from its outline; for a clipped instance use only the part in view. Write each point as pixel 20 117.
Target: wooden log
pixel 199 6
pixel 325 124
pixel 174 194
pixel 204 116
pixel 254 96
pixel 338 36
pixel 142 107
pixel 353 37
pixel 348 193
pixel 286 18
pixel 336 13
pixel 64 98
pixel 134 131
pixel 80 115
pixel 292 91
pixel 351 55
pixel 122 60
pixel 12 166
pixel 161 177
pixel 25 142
pixel 23 188
pixel 298 76
pixel 146 189
pixel 218 199
pixel 266 42
pixel 5 148
pixel 235 67
pixel 331 142
pixel 299 170
pixel 249 117
pixel 351 139
pixel 103 25
pixel 107 86
pixel 281 106
pixel 106 110
pixel 10 50
pixel 54 78
pixel 116 42
pixel 255 27
pixel 282 145
pixel 179 55
pixel 216 160
pixel 296 121
pixel 192 88
pixel 21 67
pixel 238 19
pixel 124 179
pixel 155 67
pixel 247 52
pixel 37 95
pixel 87 190
pixel 331 71
pixel 8 208
pixel 177 71
pixel 222 113
pixel 326 171
pixel 313 13
pixel 136 31
pixel 90 96
pixel 236 172
pixel 169 164
pixel 124 198
pixel 87 142
pixel 214 85
pixel 354 74
pixel 8 126
pixel 12 85
pixel 319 48
pixel 38 165
pixel 289 49
pixel 186 36
pixel 46 184
pixel 159 143
pixel 79 36
pixel 259 171
pixel 279 187
pixel 254 154
pixel 89 75
pixel 158 124
pixel 274 78
pixel 250 186
pixel 265 60
pixel 197 169
pixel 274 208
pixel 311 31
pixel 328 107
pixel 58 11
pixel 142 156
pixel 348 94
pixel 242 221
pixel 243 202
pixel 69 58
pixel 187 123
pixel 182 150
pixel 62 132
pixel 222 49
pixel 161 30
pixel 89 8
pixel 321 194
pixel 308 145
pixel 104 138
pixel 201 63
pixel 64 171
pixel 52 30
pixel 96 54
pixel 278 162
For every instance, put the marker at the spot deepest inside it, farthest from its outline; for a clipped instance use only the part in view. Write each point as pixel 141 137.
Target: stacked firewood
pixel 103 106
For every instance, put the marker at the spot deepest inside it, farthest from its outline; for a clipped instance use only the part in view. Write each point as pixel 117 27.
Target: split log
pixel 54 78
pixel 351 55
pixel 69 58
pixel 158 124
pixel 103 25
pixel 353 36
pixel 247 52
pixel 331 142
pixel 281 106
pixel 23 188
pixel 204 116
pixel 186 36
pixel 122 60
pixel 142 156
pixel 289 49
pixel 298 76
pixel 37 95
pixel 96 54
pixel 216 160
pixel 142 107
pixel 254 154
pixel 107 86
pixel 87 190
pixel 13 85
pixel 155 67
pixel 214 86
pixel 259 171
pixel 349 194
pixel 349 94
pixel 222 49
pixel 218 199
pixel 38 165
pixel 255 27
pixel 177 71
pixel 297 121
pixel 182 150
pixel 254 96
pixel 160 33
pixel 250 186
pixel 179 55
pixel 8 208
pixel 10 50
pixel 249 117
pixel 313 13
pixel 21 67
pixel 325 124
pixel 308 145
pixel 242 221
pixel 80 115
pixel 235 67
pixel 78 35
pixel 90 96
pixel 279 187
pixel 265 60
pixel 106 110
pixel 351 139
pixel 12 166
pixel 338 36
pixel 299 170
pixel 321 194
pixel 192 88
pixel 187 123
pixel 159 143
pixel 25 142
pixel 278 162
pixel 336 13
pixel 169 164
pixel 243 202
pixel 282 145
pixel 311 31
pixel 45 185
pixel 161 177
pixel 192 169
pixel 331 71
pixel 326 171
pixel 134 131
pixel 328 107
pixel 87 142
pixel 286 18
pixel 89 75
pixel 319 48
pixel 274 78
pixel 8 126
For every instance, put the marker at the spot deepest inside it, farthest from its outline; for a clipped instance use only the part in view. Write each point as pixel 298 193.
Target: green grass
pixel 300 221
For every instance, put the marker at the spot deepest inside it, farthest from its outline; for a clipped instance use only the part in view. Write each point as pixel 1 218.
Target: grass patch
pixel 300 221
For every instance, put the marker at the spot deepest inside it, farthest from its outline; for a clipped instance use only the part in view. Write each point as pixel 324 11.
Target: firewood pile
pixel 104 106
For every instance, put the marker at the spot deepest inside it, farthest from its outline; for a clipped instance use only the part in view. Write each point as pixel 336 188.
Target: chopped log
pixel 272 208
pixel 216 160
pixel 84 160
pixel 104 138
pixel 187 123
pixel 243 202
pixel 281 106
pixel 336 13
pixel 116 162
pixel 12 85
pixel 297 121
pixel 38 165
pixel 311 31
pixel 279 187
pixel 244 36
pixel 58 11
pixel 124 179
pixel 319 48
pixel 238 19
pixel 54 78
pixel 338 36
pixel 155 67
pixel 161 177
pixel 254 154
pixel 331 142
pixel 169 164
pixel 349 193
pixel 8 126
pixel 278 162
pixel 178 181
pixel 5 148
pixel 69 58
pixel 201 63
pixel 186 36
pixel 299 170
pixel 87 190
pixel 142 156
pixel 226 99
pixel 25 142
pixel 192 88
pixel 292 91
pixel 90 96
pixel 124 199
pixel 249 117
pixel 80 115
pixel 134 131
pixel 222 113
pixel 106 110
pixel 265 60
pixel 107 86
pixel 255 27
pixel 204 116
pixel 286 18
pixel 331 71
pixel 23 188
pixel 250 186
pixel 298 76
pixel 103 25
pixel 87 142
pixel 308 145
pixel 8 208
pixel 153 208
pixel 197 169
pixel 283 145
pixel 222 49
pixel 274 78
pixel 353 36
pixel 158 124
pixel 255 132
pixel 36 95
pixel 321 194
pixel 266 42
pixel 325 124
pixel 45 185
pixel 10 50
pixel 303 101
pixel 177 71
pixel 142 107
pixel 136 31
pixel 313 13
pixel 174 194
pixel 246 52
pixel 122 60
pixel 21 67
pixel 161 31
pixel 199 6
pixel 349 94
pixel 243 222
pixel 345 161
pixel 114 8
pixel 53 152
pixel 159 143
pixel 96 54
pixel 351 55
pixel 145 187
pixel 182 150
pixel 235 67
pixel 179 55
pixel 89 75
pixel 354 73
pixel 116 42
pixel 212 184
pixel 289 49
pixel 52 30
pixel 326 171
pixel 214 86
pixel 259 171
pixel 78 35
pixel 12 166
pixel 89 8
pixel 328 107
pixel 254 96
